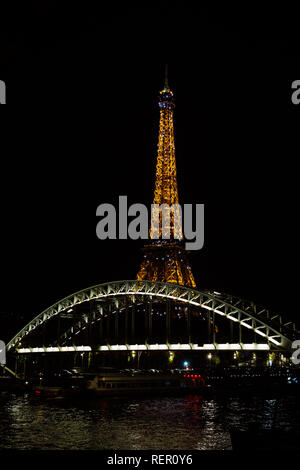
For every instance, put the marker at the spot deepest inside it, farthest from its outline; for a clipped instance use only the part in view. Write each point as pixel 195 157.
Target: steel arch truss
pixel 246 314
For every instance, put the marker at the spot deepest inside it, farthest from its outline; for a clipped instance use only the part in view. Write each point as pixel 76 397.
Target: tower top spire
pixel 166 96
pixel 166 78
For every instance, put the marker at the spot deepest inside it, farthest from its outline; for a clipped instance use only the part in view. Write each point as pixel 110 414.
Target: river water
pixel 190 422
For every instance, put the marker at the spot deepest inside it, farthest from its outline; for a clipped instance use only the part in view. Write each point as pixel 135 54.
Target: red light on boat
pixel 37 392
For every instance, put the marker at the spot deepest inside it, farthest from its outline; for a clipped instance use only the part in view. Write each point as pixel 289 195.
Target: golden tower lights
pixel 166 260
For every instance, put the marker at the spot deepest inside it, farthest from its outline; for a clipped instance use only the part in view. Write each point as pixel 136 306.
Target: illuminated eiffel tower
pixel 164 259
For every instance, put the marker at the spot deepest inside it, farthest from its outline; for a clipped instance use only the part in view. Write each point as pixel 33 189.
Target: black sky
pixel 85 81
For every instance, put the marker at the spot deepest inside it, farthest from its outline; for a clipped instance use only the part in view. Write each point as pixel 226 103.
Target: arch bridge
pixel 146 315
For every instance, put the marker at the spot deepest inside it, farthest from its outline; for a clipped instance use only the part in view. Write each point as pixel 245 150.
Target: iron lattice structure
pixel 165 258
pixel 145 315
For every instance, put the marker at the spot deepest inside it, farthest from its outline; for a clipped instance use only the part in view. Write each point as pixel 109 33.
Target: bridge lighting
pixel 256 346
pixel 153 347
pixel 209 356
pixel 67 349
pixel 261 333
pixel 232 318
pixel 83 348
pixel 271 359
pixel 117 347
pixel 246 325
pixel 205 346
pixel 171 356
pixel 225 346
pixel 274 341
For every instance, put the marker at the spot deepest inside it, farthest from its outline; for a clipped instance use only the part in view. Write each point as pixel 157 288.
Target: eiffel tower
pixel 164 259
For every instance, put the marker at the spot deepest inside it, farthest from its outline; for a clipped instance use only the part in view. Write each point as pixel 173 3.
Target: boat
pixel 59 384
pixel 110 382
pixel 143 382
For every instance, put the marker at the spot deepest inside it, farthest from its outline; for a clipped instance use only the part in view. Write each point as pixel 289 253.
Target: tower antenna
pixel 166 77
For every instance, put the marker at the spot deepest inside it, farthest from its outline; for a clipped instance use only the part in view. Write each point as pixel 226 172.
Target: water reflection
pixel 190 422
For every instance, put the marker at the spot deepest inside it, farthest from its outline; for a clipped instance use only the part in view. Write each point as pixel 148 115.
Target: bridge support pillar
pixel 101 326
pixel 89 327
pixel 108 319
pixel 133 323
pixel 116 325
pixel 231 331
pixel 189 324
pixel 150 321
pixel 126 321
pixel 58 329
pixel 147 322
pixel 168 321
pixel 208 327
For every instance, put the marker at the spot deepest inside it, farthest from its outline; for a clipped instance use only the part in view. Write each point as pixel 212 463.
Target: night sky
pixel 85 80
